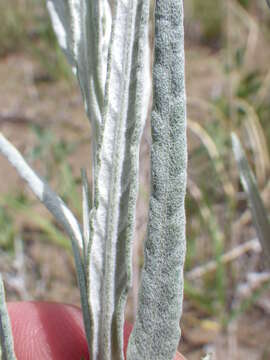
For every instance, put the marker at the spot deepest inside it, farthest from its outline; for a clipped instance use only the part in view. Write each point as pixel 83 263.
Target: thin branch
pixel 254 281
pixel 235 253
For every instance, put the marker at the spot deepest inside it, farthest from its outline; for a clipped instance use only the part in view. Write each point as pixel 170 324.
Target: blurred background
pixel 227 288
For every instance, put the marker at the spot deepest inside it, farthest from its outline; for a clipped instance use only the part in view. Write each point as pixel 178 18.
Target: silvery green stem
pixel 58 209
pixel 86 215
pixel 42 191
pixel 156 332
pixel 112 223
pixel 77 24
pixel 83 31
pixel 138 108
pixel 6 338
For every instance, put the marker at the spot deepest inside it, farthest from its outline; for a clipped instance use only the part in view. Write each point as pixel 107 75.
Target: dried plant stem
pixel 235 253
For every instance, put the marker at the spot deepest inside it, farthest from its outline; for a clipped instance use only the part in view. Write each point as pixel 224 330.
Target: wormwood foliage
pixel 112 223
pixel 6 348
pixel 59 210
pixel 156 332
pixel 83 30
pixel 111 74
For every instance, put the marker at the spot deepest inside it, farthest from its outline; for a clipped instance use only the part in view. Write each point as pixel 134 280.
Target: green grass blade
pixel 156 332
pixel 259 215
pixel 52 232
pixel 6 337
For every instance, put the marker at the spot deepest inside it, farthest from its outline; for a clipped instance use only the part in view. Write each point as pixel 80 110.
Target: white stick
pixel 42 191
pixel 251 245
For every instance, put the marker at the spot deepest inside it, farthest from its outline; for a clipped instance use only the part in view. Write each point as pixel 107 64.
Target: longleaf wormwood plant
pixel 162 277
pixel 111 76
pixel 6 350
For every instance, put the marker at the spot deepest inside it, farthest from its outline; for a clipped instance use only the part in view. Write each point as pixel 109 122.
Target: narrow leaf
pixel 82 282
pixel 112 223
pixel 86 213
pixel 83 30
pixel 249 184
pixel 78 25
pixel 6 337
pixel 156 332
pixel 59 210
pixel 139 96
pixel 42 191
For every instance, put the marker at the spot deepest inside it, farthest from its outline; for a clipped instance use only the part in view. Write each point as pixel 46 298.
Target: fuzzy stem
pixel 156 332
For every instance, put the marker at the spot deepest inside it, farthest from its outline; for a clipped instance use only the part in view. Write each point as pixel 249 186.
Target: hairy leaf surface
pixel 83 31
pixel 7 347
pixel 156 332
pixel 86 214
pixel 112 223
pixel 59 210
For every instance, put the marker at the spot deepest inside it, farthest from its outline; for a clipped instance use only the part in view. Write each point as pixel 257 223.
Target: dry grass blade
pixel 254 281
pixel 257 140
pixel 263 92
pixel 247 20
pixel 235 253
pixel 208 107
pixel 213 152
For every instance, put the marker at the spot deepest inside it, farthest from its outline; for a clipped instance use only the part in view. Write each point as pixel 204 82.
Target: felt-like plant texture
pixel 156 331
pixel 106 45
pixel 47 330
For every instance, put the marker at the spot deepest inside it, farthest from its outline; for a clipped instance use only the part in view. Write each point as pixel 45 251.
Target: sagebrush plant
pixel 105 43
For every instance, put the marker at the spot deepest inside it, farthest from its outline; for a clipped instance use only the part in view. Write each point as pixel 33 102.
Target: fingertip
pixel 43 330
pixel 178 356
